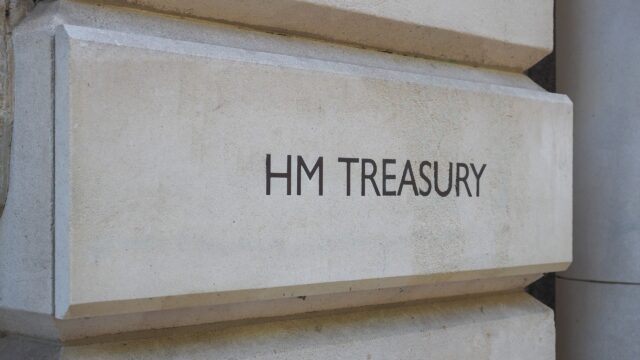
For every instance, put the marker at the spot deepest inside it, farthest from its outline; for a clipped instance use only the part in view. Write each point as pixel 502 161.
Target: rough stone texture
pixel 160 152
pixel 497 327
pixel 597 320
pixel 503 33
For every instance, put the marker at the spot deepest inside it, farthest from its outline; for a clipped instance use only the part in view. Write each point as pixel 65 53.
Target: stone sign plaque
pixel 189 174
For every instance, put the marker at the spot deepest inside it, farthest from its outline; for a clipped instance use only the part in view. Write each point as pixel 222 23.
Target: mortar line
pixel 599 281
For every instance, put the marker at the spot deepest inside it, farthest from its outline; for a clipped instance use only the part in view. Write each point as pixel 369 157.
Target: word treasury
pixel 387 177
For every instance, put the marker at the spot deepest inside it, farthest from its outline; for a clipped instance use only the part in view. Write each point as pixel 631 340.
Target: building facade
pixel 285 179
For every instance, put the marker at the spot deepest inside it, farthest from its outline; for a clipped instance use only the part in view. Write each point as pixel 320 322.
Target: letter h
pixel 286 175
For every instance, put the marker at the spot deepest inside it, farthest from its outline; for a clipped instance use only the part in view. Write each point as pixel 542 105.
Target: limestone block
pixel 499 33
pixel 162 130
pixel 162 198
pixel 497 327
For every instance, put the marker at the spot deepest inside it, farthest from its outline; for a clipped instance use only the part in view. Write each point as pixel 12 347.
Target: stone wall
pixel 11 11
pixel 283 179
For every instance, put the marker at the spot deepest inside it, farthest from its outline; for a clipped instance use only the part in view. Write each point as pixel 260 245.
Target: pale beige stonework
pixel 155 129
pixel 160 176
pixel 495 327
pixel 26 226
pixel 499 33
pixel 44 326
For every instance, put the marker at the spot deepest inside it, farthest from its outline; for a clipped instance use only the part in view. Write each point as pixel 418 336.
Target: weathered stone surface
pixel 489 327
pixel 503 33
pixel 497 327
pixel 160 176
pixel 26 238
pixel 95 327
pixel 191 280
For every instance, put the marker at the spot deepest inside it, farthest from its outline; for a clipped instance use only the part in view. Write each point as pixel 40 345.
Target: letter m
pixel 303 166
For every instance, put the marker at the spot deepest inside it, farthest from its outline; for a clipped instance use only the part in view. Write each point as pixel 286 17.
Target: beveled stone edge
pixel 442 280
pixel 522 56
pixel 91 329
pixel 72 32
